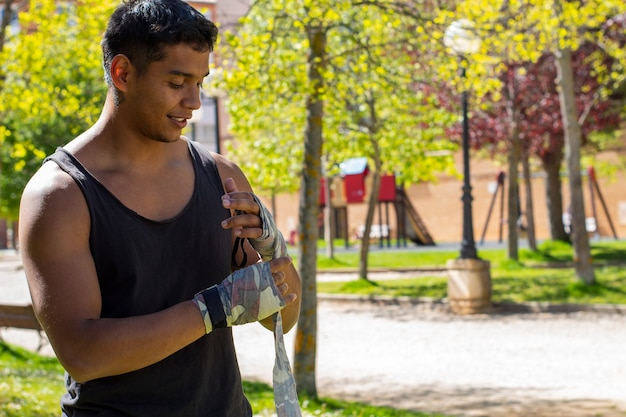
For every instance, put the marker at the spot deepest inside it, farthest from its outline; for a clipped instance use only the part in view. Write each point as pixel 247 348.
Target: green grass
pixel 543 276
pixel 508 285
pixel 261 397
pixel 386 259
pixel 31 385
pixel 548 252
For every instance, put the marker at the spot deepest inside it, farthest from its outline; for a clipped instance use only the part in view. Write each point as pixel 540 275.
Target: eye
pixel 176 86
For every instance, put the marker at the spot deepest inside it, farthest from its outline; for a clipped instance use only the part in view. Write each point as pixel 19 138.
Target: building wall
pixel 440 206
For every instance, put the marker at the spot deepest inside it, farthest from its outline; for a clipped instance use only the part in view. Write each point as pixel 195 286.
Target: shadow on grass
pixel 261 396
pixel 559 286
pixel 608 255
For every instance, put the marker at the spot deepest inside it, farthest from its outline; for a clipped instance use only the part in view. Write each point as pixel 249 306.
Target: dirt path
pixel 423 358
pixel 500 365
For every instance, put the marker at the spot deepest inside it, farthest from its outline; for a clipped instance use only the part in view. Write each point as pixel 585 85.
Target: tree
pixel 52 87
pixel 526 31
pixel 382 106
pixel 539 128
pixel 324 68
pixel 7 16
pixel 288 71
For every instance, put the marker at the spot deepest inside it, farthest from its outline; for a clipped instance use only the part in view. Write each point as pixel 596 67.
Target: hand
pixel 269 243
pixel 278 267
pixel 246 222
pixel 247 295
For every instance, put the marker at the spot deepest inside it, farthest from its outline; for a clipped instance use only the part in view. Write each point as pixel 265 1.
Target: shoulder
pixel 50 183
pixel 229 169
pixel 51 202
pixel 224 163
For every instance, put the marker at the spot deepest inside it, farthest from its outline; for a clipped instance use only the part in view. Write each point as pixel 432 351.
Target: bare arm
pixel 54 238
pixel 235 180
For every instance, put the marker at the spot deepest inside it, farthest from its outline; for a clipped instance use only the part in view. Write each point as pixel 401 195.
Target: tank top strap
pixel 201 155
pixel 73 167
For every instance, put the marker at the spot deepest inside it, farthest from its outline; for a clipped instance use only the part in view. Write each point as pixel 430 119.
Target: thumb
pixel 230 186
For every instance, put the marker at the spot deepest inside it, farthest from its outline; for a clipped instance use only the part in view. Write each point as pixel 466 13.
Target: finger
pixel 279 277
pixel 235 199
pixel 248 232
pixel 244 225
pixel 240 201
pixel 280 264
pixel 290 298
pixel 230 186
pixel 283 289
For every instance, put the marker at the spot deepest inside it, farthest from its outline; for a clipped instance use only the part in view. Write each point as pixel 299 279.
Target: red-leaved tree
pixel 526 121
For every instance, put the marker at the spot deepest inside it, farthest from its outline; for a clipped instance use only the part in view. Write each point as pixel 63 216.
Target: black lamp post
pixel 461 39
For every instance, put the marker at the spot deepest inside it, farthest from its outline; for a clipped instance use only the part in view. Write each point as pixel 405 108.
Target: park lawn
pixel 542 276
pixel 31 385
pixel 523 285
pixel 548 253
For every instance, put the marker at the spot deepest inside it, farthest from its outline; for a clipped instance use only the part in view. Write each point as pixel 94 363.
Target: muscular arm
pixel 291 312
pixel 54 239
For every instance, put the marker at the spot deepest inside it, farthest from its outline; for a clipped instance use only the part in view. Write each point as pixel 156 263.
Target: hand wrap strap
pixel 271 243
pixel 285 394
pixel 244 306
pixel 247 295
pixel 209 304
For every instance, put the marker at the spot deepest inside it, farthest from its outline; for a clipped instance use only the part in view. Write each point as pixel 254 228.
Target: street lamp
pixel 462 40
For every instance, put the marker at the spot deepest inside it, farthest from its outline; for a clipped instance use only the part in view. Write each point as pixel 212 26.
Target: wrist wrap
pixel 271 243
pixel 214 306
pixel 247 295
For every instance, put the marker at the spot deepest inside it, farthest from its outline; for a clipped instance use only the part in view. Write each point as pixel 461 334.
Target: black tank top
pixel 145 266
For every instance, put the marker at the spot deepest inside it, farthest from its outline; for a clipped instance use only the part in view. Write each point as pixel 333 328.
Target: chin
pixel 172 139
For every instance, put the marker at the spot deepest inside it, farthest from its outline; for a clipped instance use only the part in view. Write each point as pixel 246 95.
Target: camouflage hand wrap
pixel 247 295
pixel 271 243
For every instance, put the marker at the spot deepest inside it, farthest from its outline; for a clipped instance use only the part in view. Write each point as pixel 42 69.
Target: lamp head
pixel 461 37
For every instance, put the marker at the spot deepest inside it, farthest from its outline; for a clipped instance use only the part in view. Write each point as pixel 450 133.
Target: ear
pixel 121 67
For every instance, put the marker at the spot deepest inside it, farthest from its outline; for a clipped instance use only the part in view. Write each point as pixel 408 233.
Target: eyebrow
pixel 185 74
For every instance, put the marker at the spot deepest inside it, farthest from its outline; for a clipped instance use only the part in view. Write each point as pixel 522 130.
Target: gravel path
pixel 534 364
pixel 422 357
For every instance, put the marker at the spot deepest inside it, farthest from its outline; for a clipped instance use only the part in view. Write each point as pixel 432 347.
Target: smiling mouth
pixel 178 119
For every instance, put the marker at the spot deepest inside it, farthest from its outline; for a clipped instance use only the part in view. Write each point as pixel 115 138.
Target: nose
pixel 192 99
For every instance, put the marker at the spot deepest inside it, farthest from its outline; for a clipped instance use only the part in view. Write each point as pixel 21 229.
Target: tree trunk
pixel 274 207
pixel 4 24
pixel 6 20
pixel 528 191
pixel 573 140
pixel 306 334
pixel 551 164
pixel 369 219
pixel 329 220
pixel 513 177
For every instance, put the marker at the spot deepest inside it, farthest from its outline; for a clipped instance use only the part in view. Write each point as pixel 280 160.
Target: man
pixel 124 228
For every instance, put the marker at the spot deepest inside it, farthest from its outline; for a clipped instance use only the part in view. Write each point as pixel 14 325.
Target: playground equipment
pixel 500 187
pixel 353 186
pixel 593 184
pixel 591 223
pixel 415 228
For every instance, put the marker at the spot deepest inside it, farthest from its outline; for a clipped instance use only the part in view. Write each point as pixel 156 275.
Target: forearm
pixel 106 347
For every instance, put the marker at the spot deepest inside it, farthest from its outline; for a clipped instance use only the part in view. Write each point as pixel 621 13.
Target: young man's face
pixel 163 98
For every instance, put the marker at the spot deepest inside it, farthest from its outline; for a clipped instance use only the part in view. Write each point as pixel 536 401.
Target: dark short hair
pixel 140 29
